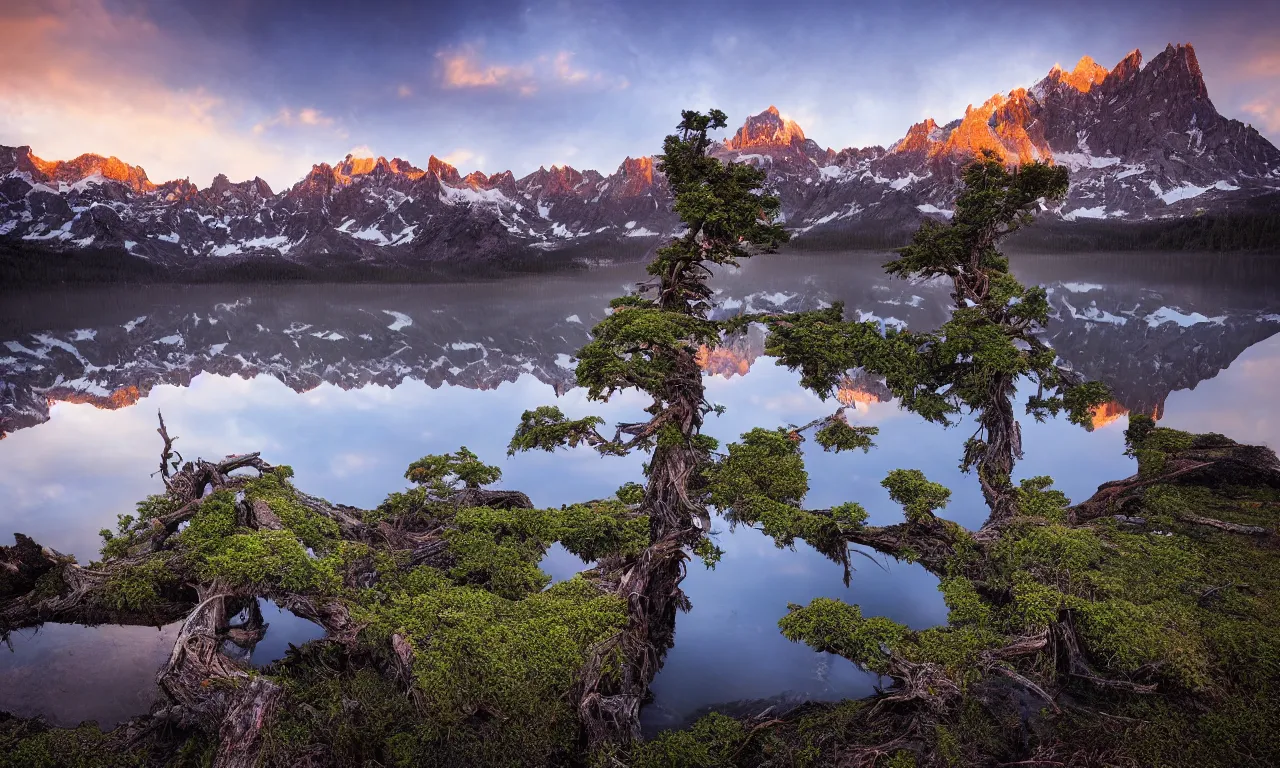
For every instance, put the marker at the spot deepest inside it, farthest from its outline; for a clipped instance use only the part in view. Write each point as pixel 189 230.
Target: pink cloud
pixel 1265 112
pixel 75 79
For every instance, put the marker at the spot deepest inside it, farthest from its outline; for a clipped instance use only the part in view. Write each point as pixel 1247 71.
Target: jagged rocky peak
pixel 1086 75
pixel 443 170
pixel 558 180
pixel 767 129
pixel 82 167
pixel 920 138
pixel 636 175
pixel 253 189
pixel 504 182
pixel 351 167
pixel 998 125
pixel 178 189
pixel 1178 67
pixel 18 159
pixel 1126 69
pixel 318 182
pixel 1142 142
pixel 406 168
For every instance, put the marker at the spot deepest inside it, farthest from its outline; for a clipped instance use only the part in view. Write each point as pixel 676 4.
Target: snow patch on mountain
pixel 1187 191
pixel 1077 161
pixel 1093 314
pixel 931 208
pixel 1183 320
pixel 401 320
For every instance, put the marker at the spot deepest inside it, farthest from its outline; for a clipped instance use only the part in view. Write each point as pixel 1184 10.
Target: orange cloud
pixel 1266 112
pixel 1264 65
pixel 463 68
pixel 565 71
pixel 308 116
pixel 460 157
pixel 74 79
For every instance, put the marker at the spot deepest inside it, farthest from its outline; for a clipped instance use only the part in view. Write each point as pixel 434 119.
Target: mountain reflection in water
pixel 350 383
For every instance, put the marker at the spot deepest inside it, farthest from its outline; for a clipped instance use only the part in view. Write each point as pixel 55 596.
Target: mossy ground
pixel 493 651
pixel 1192 609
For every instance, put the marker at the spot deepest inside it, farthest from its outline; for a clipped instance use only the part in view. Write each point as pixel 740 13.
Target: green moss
pixel 900 759
pixel 358 717
pixel 766 464
pixel 1168 440
pixel 1056 555
pixel 213 547
pixel 267 558
pixel 312 528
pixel 965 604
pixel 30 745
pixel 490 663
pixel 139 588
pixel 133 529
pixel 500 549
pixel 1150 462
pixel 711 742
pixel 601 528
pixel 49 584
pixel 1125 636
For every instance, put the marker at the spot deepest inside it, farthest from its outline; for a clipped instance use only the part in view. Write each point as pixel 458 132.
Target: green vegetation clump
pixel 493 652
pixel 213 547
pixel 24 744
pixel 139 588
pixel 1037 499
pixel 602 528
pixel 838 435
pixel 444 473
pixel 131 530
pixel 311 528
pixel 490 673
pixel 918 496
pixel 708 743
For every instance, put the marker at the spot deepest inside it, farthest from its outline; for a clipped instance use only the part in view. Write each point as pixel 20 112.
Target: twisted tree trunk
pixel 1003 445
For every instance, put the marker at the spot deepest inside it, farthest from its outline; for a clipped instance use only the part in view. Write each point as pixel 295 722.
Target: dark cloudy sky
pixel 255 87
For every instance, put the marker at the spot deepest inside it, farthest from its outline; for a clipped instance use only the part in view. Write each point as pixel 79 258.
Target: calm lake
pixel 350 383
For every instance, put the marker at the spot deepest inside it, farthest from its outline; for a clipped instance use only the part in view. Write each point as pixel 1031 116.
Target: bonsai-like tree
pixel 974 361
pixel 649 342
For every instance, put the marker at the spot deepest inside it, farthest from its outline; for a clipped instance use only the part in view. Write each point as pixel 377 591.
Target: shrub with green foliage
pixel 442 473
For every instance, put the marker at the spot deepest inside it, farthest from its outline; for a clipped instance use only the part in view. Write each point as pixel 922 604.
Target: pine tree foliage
pixel 973 362
pixel 650 339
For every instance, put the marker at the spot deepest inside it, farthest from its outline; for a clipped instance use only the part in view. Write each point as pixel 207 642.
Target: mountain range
pixel 1143 142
